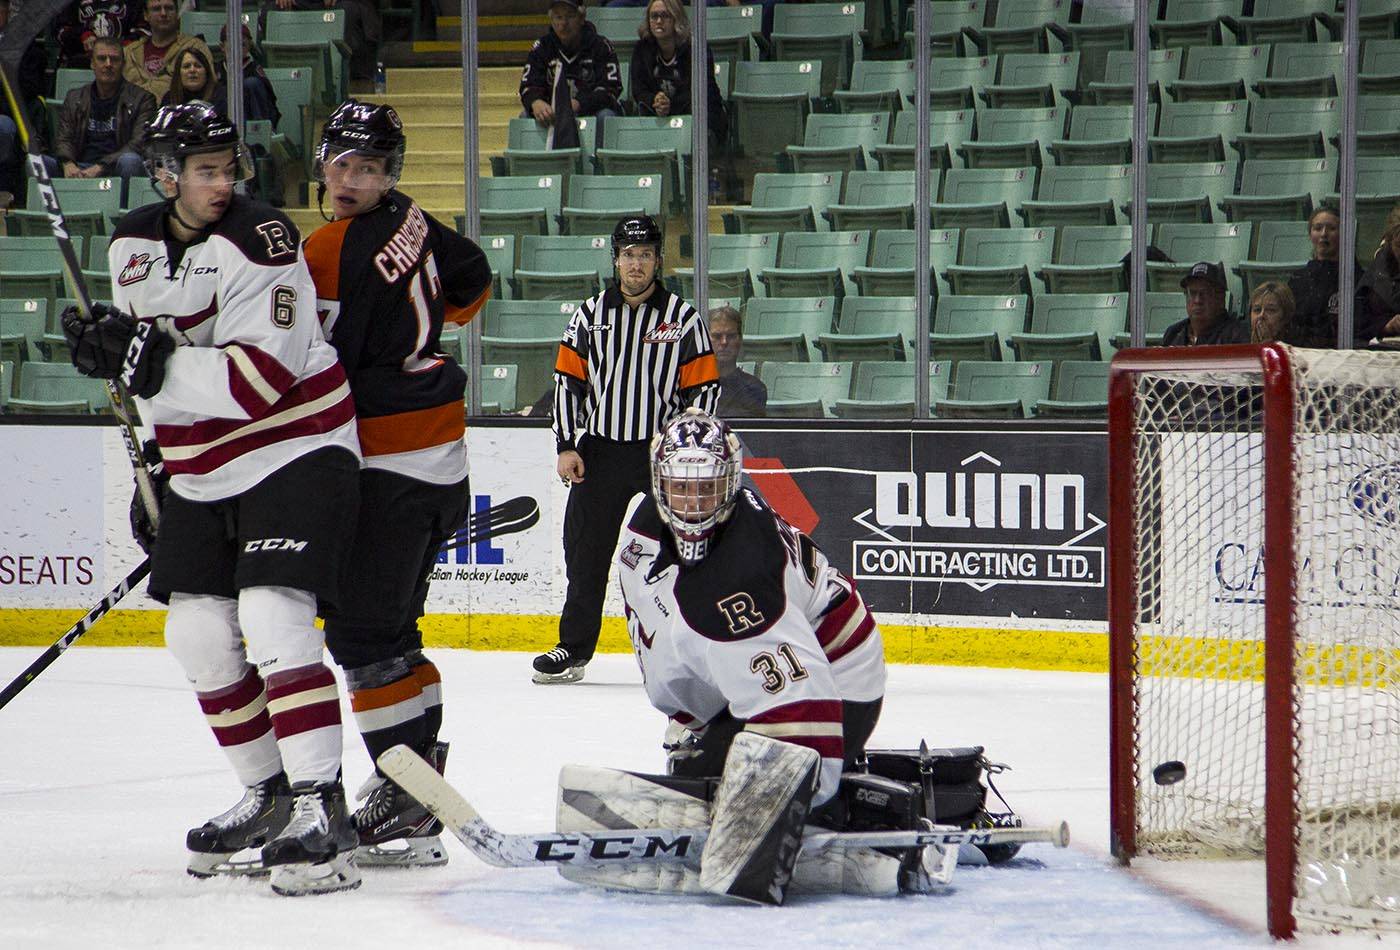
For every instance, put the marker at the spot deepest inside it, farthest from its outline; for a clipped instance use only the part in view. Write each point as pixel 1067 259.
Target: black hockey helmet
pixel 636 229
pixel 366 128
pixel 191 128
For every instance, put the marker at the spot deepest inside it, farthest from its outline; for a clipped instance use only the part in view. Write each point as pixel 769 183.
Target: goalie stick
pixel 642 845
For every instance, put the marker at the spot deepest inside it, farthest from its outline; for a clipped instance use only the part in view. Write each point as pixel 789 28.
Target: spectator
pixel 1207 321
pixel 1378 291
pixel 259 97
pixel 31 88
pixel 1316 287
pixel 1271 310
pixel 571 68
pixel 88 20
pixel 740 393
pixel 767 22
pixel 102 126
pixel 363 29
pixel 150 61
pixel 660 70
pixel 193 76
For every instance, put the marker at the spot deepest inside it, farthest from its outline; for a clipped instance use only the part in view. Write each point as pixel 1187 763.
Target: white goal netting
pixel 1198 646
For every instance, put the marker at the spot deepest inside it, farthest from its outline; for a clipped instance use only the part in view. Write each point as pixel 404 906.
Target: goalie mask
pixel 364 129
pixel 193 128
pixel 696 462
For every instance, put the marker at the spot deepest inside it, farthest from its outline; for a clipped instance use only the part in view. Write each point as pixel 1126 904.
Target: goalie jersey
pixel 386 281
pixel 252 384
pixel 764 627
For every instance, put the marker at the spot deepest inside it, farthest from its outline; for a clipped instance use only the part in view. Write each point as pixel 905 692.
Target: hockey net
pixel 1255 637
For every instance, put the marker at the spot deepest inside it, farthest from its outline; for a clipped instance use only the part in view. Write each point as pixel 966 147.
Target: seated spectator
pixel 363 29
pixel 193 78
pixel 31 88
pixel 102 126
pixel 1378 291
pixel 660 70
pixel 259 97
pixel 767 25
pixel 570 69
pixel 740 393
pixel 1317 286
pixel 88 20
pixel 1207 321
pixel 150 61
pixel 1271 310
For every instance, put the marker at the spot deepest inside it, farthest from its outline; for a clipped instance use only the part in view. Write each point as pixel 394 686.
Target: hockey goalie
pixel 771 670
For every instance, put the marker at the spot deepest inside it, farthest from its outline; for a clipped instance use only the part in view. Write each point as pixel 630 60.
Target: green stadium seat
pixel 533 359
pixel 1220 72
pixel 1280 189
pixel 67 79
pixel 1377 192
pixel 596 202
pixel 1194 22
pixel 982 197
pixel 1102 29
pixel 1203 130
pixel 1188 191
pixel 781 203
pixel 520 205
pixel 770 105
pixel 947 23
pixel 735 261
pixel 1100 135
pixel 1291 128
pixel 976 327
pixel 804 390
pixel 1020 26
pixel 786 328
pixel 1280 248
pixel 816 263
pixel 57 389
pixel 1303 70
pixel 30 267
pixel 992 390
pixel 86 203
pixel 296 91
pixel 1079 195
pixel 649 145
pixel 877 85
pixel 527 153
pixel 500 255
pixel 1116 88
pixel 947 132
pixel 828 33
pixel 1380 65
pixel 1089 260
pixel 1030 80
pixel 840 142
pixel 1161 311
pixel 562 267
pixel 1080 391
pixel 1380 20
pixel 8 381
pixel 313 39
pixel 1001 261
pixel 499 387
pixel 141 192
pixel 1014 137
pixel 619 26
pixel 891 270
pixel 885 390
pixel 1072 327
pixel 871 328
pixel 1283 21
pixel 956 84
pixel 527 319
pixel 875 200
pixel 23 324
pixel 732 34
pixel 1377 131
pixel 1185 244
pixel 206 25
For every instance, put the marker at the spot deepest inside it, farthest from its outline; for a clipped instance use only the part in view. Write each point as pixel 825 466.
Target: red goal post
pixel 1254 620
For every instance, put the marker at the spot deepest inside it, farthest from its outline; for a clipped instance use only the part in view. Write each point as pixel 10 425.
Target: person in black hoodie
pixel 660 71
pixel 1316 287
pixel 1378 292
pixel 587 61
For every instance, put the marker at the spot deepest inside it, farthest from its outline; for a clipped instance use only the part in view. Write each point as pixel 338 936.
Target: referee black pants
pixel 613 473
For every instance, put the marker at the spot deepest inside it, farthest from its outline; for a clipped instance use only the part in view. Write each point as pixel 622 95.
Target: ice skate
pixel 315 853
pixel 260 814
pixel 558 666
pixel 390 815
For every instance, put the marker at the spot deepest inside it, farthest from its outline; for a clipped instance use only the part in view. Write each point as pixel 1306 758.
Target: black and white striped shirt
pixel 622 372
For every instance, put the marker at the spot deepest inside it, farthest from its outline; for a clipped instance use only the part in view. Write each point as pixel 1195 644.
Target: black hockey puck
pixel 1169 773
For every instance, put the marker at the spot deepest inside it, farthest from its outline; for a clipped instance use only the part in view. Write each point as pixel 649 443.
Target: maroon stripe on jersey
pixel 273 373
pixel 861 634
pixel 299 719
pixel 306 718
pixel 208 430
pixel 834 622
pixel 287 682
pixel 240 694
pixel 828 747
pixel 253 729
pixel 190 321
pixel 806 710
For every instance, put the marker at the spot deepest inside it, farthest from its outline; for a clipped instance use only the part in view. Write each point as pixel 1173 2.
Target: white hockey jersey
pixel 252 384
pixel 764 627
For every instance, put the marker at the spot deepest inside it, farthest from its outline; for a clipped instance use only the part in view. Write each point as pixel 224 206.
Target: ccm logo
pixel 872 797
pixel 273 544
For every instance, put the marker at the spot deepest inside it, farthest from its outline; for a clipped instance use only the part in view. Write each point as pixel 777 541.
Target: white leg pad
pixel 203 635
pixel 862 871
pixel 280 626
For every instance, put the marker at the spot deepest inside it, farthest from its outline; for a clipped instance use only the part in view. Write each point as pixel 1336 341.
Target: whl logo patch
pixel 137 269
pixel 632 554
pixel 665 333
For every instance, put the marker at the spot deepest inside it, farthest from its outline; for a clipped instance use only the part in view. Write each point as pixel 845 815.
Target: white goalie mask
pixel 696 462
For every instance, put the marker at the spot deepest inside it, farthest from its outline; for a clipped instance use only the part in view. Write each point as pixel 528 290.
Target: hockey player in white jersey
pixel 213 327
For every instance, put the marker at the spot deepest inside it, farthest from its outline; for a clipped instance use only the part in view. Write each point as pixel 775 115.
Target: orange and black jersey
pixel 386 281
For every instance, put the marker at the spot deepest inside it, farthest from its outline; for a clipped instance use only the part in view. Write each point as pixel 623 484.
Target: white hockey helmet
pixel 696 462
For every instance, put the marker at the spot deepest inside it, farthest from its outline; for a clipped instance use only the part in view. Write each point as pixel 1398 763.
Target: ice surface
pixel 106 762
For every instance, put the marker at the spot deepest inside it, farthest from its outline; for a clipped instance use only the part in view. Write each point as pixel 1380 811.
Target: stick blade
pixel 415 775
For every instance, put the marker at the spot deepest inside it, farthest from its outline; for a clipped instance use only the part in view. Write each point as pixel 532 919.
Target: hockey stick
pixel 74 632
pixel 21 31
pixel 508 517
pixel 642 845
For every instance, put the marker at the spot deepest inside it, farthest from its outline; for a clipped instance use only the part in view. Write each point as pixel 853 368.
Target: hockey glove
pixel 113 345
pixel 682 745
pixel 142 528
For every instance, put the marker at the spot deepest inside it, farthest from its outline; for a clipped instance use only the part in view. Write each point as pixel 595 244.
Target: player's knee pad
pixel 280 626
pixel 203 634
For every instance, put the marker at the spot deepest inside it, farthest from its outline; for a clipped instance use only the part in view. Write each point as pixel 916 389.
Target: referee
pixel 631 358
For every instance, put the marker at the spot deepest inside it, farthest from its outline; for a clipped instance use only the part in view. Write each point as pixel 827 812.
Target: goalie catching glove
pixel 110 344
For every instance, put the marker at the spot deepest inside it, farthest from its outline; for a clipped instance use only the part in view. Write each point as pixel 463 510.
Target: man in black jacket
pixel 1207 320
pixel 570 68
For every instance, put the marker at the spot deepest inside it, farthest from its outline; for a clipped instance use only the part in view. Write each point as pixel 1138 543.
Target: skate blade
pixel 299 880
pixel 572 675
pixel 205 866
pixel 424 852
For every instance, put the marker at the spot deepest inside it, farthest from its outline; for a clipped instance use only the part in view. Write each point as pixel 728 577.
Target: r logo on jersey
pixel 284 307
pixel 277 238
pixel 137 269
pixel 740 612
pixel 632 554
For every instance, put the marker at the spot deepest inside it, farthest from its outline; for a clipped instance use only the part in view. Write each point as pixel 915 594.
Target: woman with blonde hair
pixel 193 78
pixel 660 71
pixel 1378 291
pixel 1271 309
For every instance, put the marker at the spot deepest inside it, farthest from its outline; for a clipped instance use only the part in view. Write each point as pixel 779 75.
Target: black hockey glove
pixel 112 345
pixel 142 528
